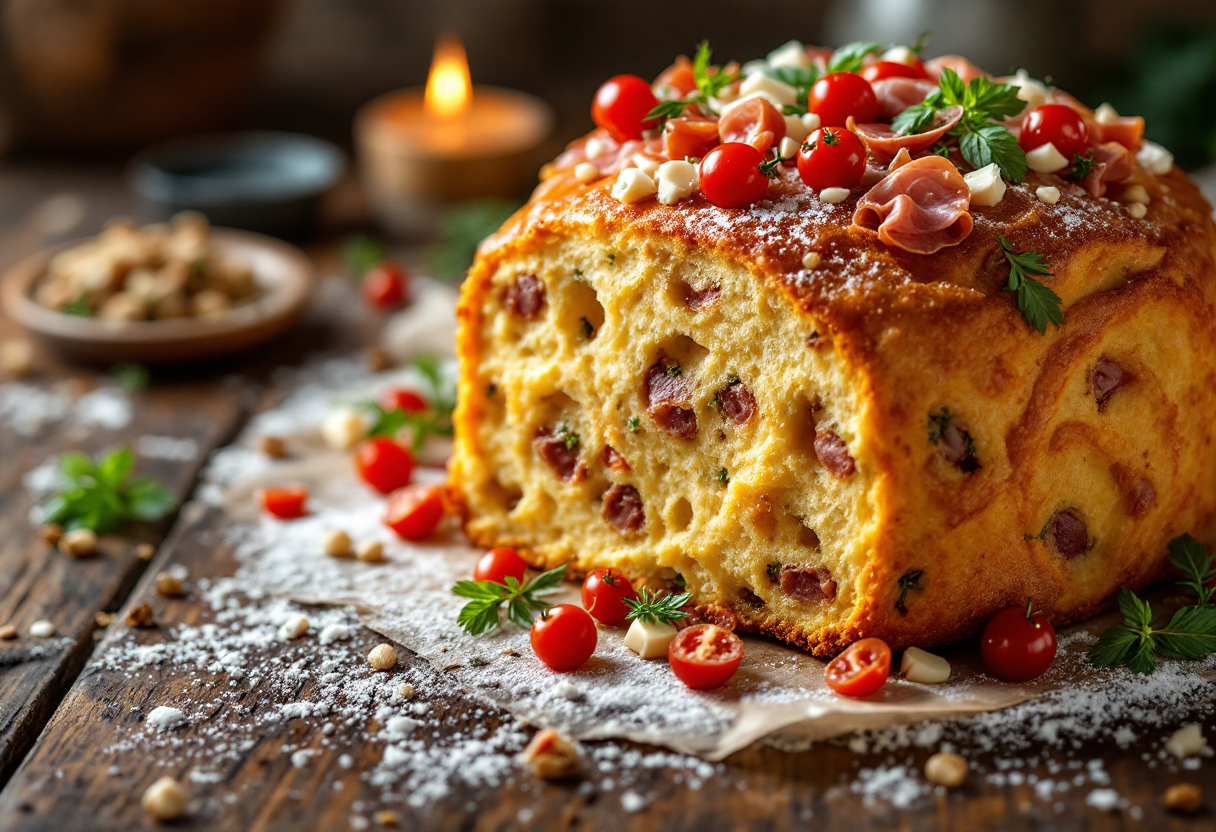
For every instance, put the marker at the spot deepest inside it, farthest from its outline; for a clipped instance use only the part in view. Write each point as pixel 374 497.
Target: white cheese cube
pixel 792 54
pixel 1046 159
pixel 676 180
pixel 645 164
pixel 921 666
pixel 811 260
pixel 345 428
pixel 1106 114
pixel 1033 92
pixel 1154 158
pixel 586 172
pixel 1048 194
pixel 1188 742
pixel 900 55
pixel 633 185
pixel 770 88
pixel 795 129
pixel 810 121
pixel 1137 210
pixel 650 641
pixel 789 149
pixel 596 147
pixel 987 186
pixel 834 195
pixel 1135 193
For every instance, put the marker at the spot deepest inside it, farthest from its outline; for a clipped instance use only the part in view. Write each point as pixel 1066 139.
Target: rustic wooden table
pixel 63 709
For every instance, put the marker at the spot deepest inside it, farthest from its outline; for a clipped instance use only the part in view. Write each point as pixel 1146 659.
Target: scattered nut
pixel 551 756
pixel 42 629
pixel 272 446
pixel 145 551
pixel 336 543
pixel 386 817
pixel 79 543
pixel 140 616
pixel 945 769
pixel 1185 798
pixel 17 357
pixel 345 428
pixel 51 533
pixel 169 584
pixel 165 799
pixel 406 691
pixel 370 551
pixel 811 260
pixel 382 657
pixel 293 628
pixel 377 359
pixel 8 631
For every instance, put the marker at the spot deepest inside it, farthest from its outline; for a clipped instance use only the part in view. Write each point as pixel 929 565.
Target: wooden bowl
pixel 282 272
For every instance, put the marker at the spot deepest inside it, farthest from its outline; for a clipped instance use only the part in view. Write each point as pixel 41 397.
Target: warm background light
pixel 448 87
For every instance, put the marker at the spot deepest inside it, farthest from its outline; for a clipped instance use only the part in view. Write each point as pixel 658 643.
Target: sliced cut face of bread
pixel 876 446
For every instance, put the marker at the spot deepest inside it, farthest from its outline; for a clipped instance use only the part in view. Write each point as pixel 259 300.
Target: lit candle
pixel 420 149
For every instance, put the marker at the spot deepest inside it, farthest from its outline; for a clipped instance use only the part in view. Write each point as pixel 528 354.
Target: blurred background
pixel 84 84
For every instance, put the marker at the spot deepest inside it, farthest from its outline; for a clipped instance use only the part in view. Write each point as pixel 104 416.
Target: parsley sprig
pixel 434 421
pixel 1189 634
pixel 657 607
pixel 1039 304
pixel 488 597
pixel 100 494
pixel 981 139
pixel 710 80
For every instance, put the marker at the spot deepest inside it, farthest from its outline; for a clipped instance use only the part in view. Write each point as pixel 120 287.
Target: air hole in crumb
pixel 685 352
pixel 681 515
pixel 583 315
pixel 505 494
pixel 807 536
pixel 696 298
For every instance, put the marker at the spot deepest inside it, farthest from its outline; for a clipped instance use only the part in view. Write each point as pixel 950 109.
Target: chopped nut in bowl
pixel 159 294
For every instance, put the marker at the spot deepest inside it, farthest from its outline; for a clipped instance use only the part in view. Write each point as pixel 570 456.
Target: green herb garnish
pixel 569 438
pixel 722 476
pixel 130 376
pixel 79 308
pixel 481 613
pixel 673 370
pixel 773 570
pixel 710 81
pixel 100 495
pixel 632 423
pixel 1039 304
pixel 657 608
pixel 908 582
pixel 361 253
pixel 1082 165
pixel 436 420
pixel 848 58
pixel 461 231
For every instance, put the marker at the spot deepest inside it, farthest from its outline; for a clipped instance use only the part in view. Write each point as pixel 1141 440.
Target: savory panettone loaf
pixel 833 415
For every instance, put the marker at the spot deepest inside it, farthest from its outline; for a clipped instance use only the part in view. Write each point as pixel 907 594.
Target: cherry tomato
pixel 621 105
pixel 385 286
pixel 604 594
pixel 1018 645
pixel 498 564
pixel 892 69
pixel 397 399
pixel 284 501
pixel 832 157
pixel 731 176
pixel 564 637
pixel 837 96
pixel 861 669
pixel 383 464
pixel 413 512
pixel 1056 123
pixel 705 656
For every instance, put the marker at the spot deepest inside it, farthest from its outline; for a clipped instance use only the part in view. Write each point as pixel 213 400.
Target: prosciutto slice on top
pixel 884 143
pixel 920 207
pixel 965 69
pixel 898 94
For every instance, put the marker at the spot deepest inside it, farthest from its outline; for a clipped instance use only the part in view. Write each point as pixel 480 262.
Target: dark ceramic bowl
pixel 259 181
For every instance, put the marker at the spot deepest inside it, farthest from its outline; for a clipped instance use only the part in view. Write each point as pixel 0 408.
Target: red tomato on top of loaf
pixel 621 106
pixel 1057 124
pixel 832 157
pixel 837 96
pixel 731 175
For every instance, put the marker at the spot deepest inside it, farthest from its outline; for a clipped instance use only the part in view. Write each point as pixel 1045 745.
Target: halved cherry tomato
pixel 604 594
pixel 1058 124
pixel 731 175
pixel 755 122
pixel 564 637
pixel 395 398
pixel 385 286
pixel 685 138
pixel 1018 644
pixel 837 96
pixel 383 464
pixel 498 564
pixel 861 669
pixel 679 76
pixel 621 106
pixel 832 157
pixel 413 512
pixel 705 656
pixel 284 501
pixel 892 69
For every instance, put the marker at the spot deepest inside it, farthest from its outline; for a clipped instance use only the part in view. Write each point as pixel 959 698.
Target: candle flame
pixel 448 87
